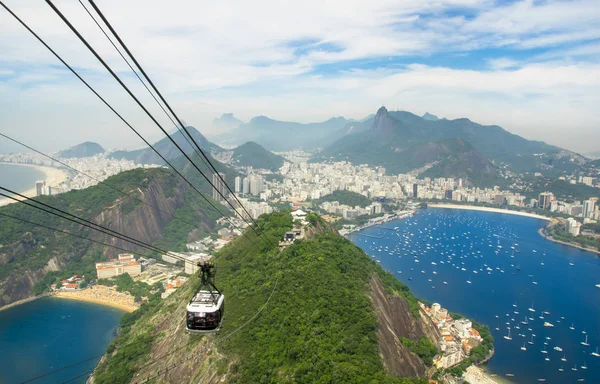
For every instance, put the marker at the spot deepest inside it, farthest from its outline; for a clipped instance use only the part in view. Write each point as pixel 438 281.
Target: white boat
pixel 564 358
pixel 523 347
pixel 544 350
pixel 597 285
pixel 507 337
pixel 547 324
pixel 595 353
pixel 557 348
pixel 584 366
pixel 531 342
pixel 585 343
pixel 572 327
pixel 561 369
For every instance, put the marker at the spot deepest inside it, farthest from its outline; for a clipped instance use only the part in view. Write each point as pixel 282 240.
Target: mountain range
pixel 166 148
pixel 402 141
pixel 248 154
pixel 277 135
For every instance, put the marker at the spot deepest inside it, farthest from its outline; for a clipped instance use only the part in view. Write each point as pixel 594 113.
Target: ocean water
pixel 19 178
pixel 460 246
pixel 50 333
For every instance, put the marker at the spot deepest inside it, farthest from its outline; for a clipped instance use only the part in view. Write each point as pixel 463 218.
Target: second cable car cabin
pixel 204 312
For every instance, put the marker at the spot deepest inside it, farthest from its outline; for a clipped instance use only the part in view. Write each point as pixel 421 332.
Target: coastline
pixel 488 209
pixel 102 295
pixel 53 177
pixel 477 375
pixel 26 300
pixel 550 238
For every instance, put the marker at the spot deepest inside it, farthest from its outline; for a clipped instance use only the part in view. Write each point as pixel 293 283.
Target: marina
pixel 529 291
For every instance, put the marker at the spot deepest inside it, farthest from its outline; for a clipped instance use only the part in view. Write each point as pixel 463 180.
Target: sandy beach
pixel 487 209
pixel 476 375
pixel 54 177
pixel 100 294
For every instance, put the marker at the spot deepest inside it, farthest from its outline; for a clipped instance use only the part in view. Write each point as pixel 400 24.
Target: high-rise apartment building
pixel 545 200
pixel 219 189
pixel 238 184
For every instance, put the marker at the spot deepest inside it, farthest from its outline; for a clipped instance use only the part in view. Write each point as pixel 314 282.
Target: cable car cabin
pixel 205 312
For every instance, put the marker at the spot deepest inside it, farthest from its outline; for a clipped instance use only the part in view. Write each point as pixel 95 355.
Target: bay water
pixel 516 276
pixel 50 333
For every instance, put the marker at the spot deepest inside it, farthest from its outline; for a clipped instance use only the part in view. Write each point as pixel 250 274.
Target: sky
pixel 532 67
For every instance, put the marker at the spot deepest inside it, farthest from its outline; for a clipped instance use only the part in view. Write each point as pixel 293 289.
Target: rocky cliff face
pixel 34 255
pixel 396 322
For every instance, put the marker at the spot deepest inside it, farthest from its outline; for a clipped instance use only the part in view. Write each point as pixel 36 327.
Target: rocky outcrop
pixel 34 255
pixel 396 322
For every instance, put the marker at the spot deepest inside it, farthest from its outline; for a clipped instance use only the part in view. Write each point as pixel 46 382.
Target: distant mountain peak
pixel 430 117
pixel 227 121
pixel 381 112
pixel 261 120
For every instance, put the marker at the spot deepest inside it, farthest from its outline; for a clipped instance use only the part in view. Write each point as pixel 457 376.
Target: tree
pixel 58 284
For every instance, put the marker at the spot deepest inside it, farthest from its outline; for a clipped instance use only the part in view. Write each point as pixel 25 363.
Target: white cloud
pixel 259 58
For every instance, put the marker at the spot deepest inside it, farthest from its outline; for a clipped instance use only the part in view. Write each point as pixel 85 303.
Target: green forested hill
pixel 31 257
pixel 346 197
pixel 256 156
pixel 399 140
pixel 86 149
pixel 166 148
pixel 319 325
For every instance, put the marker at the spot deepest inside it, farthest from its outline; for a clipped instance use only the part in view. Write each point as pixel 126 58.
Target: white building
pixel 190 259
pixel 125 263
pixel 573 226
pixel 463 326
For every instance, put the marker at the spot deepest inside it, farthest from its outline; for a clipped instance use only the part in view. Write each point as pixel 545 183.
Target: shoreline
pixel 550 238
pixel 541 232
pixel 52 176
pixel 488 209
pixel 99 294
pixel 481 375
pixel 82 295
pixel 95 301
pixel 26 300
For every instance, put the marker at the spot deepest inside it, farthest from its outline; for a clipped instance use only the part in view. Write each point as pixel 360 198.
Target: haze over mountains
pixel 277 135
pixel 400 141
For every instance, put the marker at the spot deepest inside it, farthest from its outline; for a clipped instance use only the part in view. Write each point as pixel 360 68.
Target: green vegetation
pixel 254 155
pixel 28 247
pixel 562 189
pixel 558 232
pixel 422 141
pixel 125 283
pixel 345 197
pixel 318 327
pixel 121 370
pixel 423 348
pixel 83 265
pixel 359 220
pixel 86 149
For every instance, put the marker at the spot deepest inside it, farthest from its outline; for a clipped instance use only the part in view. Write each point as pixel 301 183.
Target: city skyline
pixel 530 67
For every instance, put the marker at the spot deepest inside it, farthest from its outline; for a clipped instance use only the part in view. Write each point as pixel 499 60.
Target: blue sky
pixel 532 67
